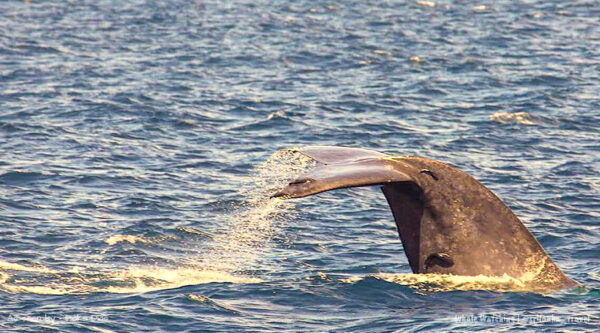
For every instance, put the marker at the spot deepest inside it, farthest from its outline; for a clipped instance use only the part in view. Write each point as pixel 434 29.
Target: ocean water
pixel 140 141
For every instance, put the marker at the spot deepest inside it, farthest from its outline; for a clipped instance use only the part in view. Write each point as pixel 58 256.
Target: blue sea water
pixel 134 135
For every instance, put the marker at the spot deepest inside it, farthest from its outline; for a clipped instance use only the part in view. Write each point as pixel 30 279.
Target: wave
pixel 522 118
pixel 112 240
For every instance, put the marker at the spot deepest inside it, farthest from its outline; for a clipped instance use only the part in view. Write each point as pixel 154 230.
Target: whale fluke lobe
pixel 448 222
pixel 349 174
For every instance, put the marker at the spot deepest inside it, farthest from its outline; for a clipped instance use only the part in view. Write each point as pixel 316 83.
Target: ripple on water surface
pixel 130 132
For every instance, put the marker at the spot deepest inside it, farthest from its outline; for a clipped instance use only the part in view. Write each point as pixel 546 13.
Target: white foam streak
pixel 522 118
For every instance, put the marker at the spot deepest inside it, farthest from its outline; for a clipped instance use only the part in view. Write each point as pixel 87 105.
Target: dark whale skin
pixel 448 222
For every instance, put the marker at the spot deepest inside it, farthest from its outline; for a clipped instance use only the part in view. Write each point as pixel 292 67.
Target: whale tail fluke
pixel 448 222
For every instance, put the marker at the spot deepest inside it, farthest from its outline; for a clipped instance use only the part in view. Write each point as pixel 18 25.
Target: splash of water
pixel 533 280
pixel 250 228
pixel 245 237
pixel 448 282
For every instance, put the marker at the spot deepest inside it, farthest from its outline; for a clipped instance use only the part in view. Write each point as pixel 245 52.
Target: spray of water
pixel 249 228
pixel 245 237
